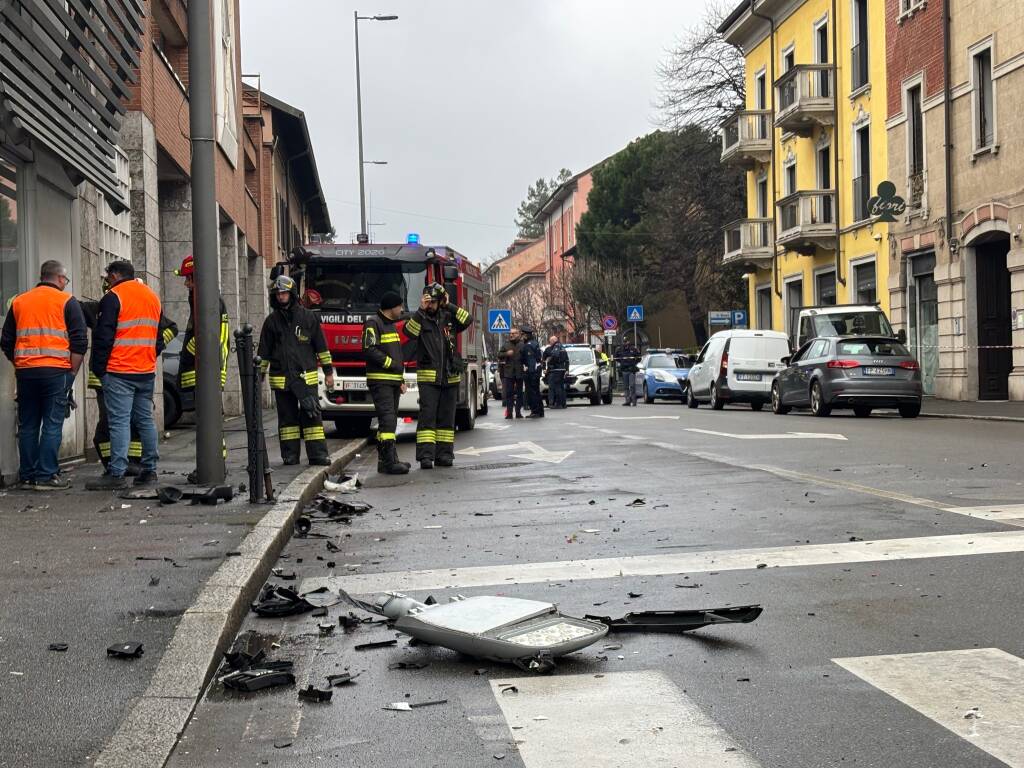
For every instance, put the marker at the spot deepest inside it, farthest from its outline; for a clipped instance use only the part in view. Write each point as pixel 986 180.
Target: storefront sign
pixel 887 205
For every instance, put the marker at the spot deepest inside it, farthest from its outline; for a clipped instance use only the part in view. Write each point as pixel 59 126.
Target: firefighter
pixel 101 435
pixel 292 346
pixel 385 379
pixel 431 333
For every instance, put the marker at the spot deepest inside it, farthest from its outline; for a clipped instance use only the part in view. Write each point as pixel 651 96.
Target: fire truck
pixel 344 284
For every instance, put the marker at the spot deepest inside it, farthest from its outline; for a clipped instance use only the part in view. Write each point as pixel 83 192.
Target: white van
pixel 737 367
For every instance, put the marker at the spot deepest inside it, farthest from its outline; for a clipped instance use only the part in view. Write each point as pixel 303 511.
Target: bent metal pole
pixel 209 412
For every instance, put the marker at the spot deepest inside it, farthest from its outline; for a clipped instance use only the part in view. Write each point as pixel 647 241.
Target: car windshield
pixel 662 361
pixel 359 284
pixel 875 347
pixel 580 356
pixel 851 324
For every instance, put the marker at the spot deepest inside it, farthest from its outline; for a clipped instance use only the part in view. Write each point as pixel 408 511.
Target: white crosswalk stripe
pixel 977 694
pixel 616 720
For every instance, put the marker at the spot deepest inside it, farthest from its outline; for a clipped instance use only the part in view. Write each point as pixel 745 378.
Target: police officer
pixel 101 435
pixel 557 367
pixel 531 357
pixel 431 333
pixel 510 366
pixel 292 346
pixel 628 358
pixel 44 335
pixel 385 378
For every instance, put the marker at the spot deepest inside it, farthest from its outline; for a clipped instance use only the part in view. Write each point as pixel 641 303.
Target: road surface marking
pixel 616 720
pixel 489 425
pixel 633 437
pixel 536 452
pixel 881 550
pixel 978 694
pixel 1010 514
pixel 781 436
pixel 634 418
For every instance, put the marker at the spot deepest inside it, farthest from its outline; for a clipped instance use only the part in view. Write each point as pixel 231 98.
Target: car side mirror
pixel 901 334
pixel 786 360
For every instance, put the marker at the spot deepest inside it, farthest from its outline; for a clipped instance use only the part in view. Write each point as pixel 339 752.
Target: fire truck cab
pixel 344 284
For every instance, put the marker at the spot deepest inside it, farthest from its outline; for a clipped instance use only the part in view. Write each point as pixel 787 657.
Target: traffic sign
pixel 609 322
pixel 739 318
pixel 499 320
pixel 610 334
pixel 635 313
pixel 719 317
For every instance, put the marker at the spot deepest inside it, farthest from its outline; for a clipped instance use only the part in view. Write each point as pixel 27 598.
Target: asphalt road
pixel 881 539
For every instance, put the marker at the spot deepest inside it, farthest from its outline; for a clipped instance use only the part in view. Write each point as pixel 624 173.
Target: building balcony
pixel 806 98
pixel 750 241
pixel 747 138
pixel 807 220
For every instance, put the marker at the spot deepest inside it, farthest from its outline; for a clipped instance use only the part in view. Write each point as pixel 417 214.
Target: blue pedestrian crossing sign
pixel 499 320
pixel 635 313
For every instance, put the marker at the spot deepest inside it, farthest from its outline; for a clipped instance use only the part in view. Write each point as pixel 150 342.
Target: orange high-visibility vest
pixel 42 340
pixel 138 324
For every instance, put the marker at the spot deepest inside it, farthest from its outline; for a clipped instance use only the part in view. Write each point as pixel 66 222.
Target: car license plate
pixel 879 372
pixel 748 377
pixel 354 385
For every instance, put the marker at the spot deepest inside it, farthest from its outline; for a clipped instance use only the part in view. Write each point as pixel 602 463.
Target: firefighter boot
pixel 387 460
pixel 393 449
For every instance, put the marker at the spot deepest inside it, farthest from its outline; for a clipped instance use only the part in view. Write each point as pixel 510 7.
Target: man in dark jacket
pixel 532 364
pixel 628 358
pixel 510 367
pixel 557 368
pixel 385 378
pixel 431 333
pixel 292 347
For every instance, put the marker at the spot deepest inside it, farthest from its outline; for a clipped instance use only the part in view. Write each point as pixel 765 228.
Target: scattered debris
pixel 377 644
pixel 127 650
pixel 762 565
pixel 154 581
pixel 341 679
pixel 695 585
pixel 972 714
pixel 342 483
pixel 282 744
pixel 271 675
pixel 398 706
pixel 540 718
pixel 275 601
pixel 635 594
pixel 326 628
pixel 742 679
pixel 637 503
pixel 405 706
pixel 506 688
pixel 59 647
pixel 319 613
pixel 408 665
pixel 311 693
pixel 679 621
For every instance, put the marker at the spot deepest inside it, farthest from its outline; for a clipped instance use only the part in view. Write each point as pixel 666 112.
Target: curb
pixel 967 416
pixel 150 731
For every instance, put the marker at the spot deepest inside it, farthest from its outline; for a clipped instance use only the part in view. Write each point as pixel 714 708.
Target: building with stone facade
pixel 956 147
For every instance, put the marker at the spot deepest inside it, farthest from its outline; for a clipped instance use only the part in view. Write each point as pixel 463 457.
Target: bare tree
pixel 608 288
pixel 702 79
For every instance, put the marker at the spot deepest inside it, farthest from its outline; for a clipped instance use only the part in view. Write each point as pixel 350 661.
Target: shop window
pixel 114 230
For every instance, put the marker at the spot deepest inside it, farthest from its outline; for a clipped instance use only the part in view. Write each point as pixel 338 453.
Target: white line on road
pixel 616 720
pixel 1010 514
pixel 536 452
pixel 880 550
pixel 634 418
pixel 782 436
pixel 976 693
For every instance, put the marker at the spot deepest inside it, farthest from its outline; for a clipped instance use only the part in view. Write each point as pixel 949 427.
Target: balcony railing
pixel 861 195
pixel 747 137
pixel 806 98
pixel 749 241
pixel 807 220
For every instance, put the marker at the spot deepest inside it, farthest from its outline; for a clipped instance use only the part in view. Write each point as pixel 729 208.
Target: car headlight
pixel 663 376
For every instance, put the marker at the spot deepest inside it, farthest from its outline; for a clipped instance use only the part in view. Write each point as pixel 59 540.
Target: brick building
pixel 519 281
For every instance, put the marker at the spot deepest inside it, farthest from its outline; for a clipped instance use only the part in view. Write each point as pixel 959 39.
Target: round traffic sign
pixel 609 322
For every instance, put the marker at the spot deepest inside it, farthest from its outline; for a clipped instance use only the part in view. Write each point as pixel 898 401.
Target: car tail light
pixel 724 370
pixel 843 364
pixel 910 365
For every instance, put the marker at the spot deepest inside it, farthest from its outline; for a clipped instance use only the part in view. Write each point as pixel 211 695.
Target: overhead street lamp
pixel 363 237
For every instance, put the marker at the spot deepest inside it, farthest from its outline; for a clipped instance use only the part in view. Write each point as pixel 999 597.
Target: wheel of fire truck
pixel 465 418
pixel 352 424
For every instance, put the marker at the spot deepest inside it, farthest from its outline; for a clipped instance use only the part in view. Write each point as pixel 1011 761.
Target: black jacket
pixel 532 357
pixel 74 321
pixel 187 360
pixel 628 358
pixel 292 346
pixel 382 347
pixel 556 358
pixel 511 366
pixel 432 343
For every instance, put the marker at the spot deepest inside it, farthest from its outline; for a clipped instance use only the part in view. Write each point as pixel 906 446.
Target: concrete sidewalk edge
pixel 973 417
pixel 150 731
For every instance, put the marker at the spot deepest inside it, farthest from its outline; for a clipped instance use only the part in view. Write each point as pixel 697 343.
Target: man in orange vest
pixel 125 345
pixel 44 335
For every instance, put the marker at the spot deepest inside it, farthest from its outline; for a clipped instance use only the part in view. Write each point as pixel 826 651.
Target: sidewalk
pixel 987 410
pixel 89 569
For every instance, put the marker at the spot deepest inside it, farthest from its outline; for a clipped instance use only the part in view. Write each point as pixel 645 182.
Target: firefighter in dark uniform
pixel 385 378
pixel 101 436
pixel 292 346
pixel 431 333
pixel 187 361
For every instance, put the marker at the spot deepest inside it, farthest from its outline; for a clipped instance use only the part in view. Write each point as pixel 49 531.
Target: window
pixel 821 57
pixel 114 231
pixel 788 60
pixel 10 242
pixel 760 94
pixel 915 149
pixel 864 283
pixel 825 288
pixel 794 303
pixel 908 6
pixel 862 168
pixel 818 349
pixel 984 107
pixel 825 182
pixel 791 177
pixel 859 53
pixel 764 308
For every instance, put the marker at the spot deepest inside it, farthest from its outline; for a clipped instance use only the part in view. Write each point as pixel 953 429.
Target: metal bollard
pixel 261 487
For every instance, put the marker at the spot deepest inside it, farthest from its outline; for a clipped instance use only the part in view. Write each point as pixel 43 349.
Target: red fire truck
pixel 344 283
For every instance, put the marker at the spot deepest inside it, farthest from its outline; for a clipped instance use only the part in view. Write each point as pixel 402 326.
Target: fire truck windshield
pixel 358 285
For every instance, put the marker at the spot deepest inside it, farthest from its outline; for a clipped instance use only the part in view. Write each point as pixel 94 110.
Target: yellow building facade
pixel 812 138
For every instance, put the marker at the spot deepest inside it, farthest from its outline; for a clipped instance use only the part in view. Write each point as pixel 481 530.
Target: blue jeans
pixel 130 402
pixel 42 403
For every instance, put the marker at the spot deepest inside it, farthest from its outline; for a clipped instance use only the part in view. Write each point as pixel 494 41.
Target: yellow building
pixel 813 140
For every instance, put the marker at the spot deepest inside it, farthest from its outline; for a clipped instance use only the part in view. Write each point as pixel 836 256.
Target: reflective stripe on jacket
pixel 382 348
pixel 138 328
pixel 42 333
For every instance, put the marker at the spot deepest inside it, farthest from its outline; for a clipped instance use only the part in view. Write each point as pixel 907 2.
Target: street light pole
pixel 363 236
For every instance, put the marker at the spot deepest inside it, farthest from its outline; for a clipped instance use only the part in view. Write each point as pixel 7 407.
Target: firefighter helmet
pixel 284 283
pixel 436 292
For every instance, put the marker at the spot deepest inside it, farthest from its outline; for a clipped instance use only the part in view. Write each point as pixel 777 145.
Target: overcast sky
pixel 469 101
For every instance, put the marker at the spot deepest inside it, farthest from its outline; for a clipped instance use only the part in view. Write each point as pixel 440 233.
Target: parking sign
pixel 739 318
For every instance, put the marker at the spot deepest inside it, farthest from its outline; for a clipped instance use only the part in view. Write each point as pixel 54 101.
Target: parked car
pixel 494 380
pixel 587 376
pixel 861 373
pixel 737 367
pixel 664 376
pixel 176 401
